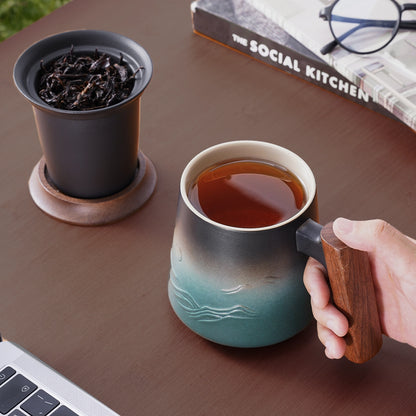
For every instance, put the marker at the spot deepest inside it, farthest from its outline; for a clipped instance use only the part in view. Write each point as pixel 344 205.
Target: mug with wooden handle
pixel 242 286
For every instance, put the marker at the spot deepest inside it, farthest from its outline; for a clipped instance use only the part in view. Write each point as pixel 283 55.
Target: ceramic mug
pixel 240 286
pixel 243 287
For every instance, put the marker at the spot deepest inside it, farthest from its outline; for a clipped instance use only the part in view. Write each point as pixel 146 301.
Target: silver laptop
pixel 28 387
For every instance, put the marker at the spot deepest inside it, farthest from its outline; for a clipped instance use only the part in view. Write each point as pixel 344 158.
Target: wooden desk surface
pixel 92 302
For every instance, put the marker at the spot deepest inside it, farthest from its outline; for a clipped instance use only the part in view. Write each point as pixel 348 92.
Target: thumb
pixel 372 236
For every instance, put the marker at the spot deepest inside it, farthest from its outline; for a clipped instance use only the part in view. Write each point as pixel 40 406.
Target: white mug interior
pixel 248 149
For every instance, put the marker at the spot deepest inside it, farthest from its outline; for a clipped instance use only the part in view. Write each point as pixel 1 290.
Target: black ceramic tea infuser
pixel 85 87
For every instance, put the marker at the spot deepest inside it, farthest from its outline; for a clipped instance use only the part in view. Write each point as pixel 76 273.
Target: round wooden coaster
pixel 98 211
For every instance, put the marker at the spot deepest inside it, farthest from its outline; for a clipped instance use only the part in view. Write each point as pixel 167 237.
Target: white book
pixel 388 75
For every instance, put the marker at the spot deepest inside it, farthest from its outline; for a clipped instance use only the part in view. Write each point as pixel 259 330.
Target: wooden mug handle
pixel 352 287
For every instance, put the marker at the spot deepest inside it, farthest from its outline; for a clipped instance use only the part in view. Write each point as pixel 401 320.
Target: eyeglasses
pixel 365 26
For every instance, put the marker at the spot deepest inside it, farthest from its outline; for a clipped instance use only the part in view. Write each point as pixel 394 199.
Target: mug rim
pixel 310 190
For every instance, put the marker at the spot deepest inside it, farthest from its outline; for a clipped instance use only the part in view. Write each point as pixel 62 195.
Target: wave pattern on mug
pixel 207 313
pixel 268 280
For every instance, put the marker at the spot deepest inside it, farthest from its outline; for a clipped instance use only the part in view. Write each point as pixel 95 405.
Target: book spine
pixel 248 42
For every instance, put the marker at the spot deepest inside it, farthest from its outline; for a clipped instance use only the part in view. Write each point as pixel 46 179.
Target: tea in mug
pixel 247 193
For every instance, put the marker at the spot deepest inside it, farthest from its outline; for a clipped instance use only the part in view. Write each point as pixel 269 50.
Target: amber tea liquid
pixel 247 193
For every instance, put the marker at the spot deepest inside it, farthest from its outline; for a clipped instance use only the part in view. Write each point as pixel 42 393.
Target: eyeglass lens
pixel 364 26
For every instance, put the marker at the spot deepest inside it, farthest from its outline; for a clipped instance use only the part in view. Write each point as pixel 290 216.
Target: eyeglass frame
pixel 326 14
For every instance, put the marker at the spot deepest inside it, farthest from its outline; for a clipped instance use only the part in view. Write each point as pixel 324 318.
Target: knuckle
pixel 380 228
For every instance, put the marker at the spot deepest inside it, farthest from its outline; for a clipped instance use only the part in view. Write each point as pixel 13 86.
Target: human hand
pixel 393 263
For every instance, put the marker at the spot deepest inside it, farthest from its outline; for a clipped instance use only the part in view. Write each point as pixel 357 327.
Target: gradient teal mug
pixel 242 286
pixel 236 286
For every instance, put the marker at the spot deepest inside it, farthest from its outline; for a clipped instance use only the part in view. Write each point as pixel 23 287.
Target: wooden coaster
pixel 97 211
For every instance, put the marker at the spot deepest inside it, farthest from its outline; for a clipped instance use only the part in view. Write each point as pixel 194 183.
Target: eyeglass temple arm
pixel 404 24
pixel 410 24
pixel 329 47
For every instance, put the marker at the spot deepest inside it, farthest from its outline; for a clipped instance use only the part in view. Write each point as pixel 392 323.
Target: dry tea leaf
pixel 82 82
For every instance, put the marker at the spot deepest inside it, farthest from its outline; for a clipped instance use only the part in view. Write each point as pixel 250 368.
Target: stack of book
pixel 280 33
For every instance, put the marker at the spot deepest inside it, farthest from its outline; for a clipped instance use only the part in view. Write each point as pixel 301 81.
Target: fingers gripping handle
pixel 349 275
pixel 352 287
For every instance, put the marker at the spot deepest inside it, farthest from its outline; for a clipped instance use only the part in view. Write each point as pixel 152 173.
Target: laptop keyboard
pixel 21 397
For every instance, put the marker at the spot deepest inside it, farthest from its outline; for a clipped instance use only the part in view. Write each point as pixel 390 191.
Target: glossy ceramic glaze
pixel 240 286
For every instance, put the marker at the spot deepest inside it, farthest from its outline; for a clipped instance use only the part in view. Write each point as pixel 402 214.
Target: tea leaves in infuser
pixel 82 82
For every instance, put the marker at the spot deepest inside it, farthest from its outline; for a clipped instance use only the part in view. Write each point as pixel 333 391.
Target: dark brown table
pixel 92 301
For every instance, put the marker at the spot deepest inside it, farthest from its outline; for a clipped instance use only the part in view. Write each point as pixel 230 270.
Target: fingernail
pixel 343 225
